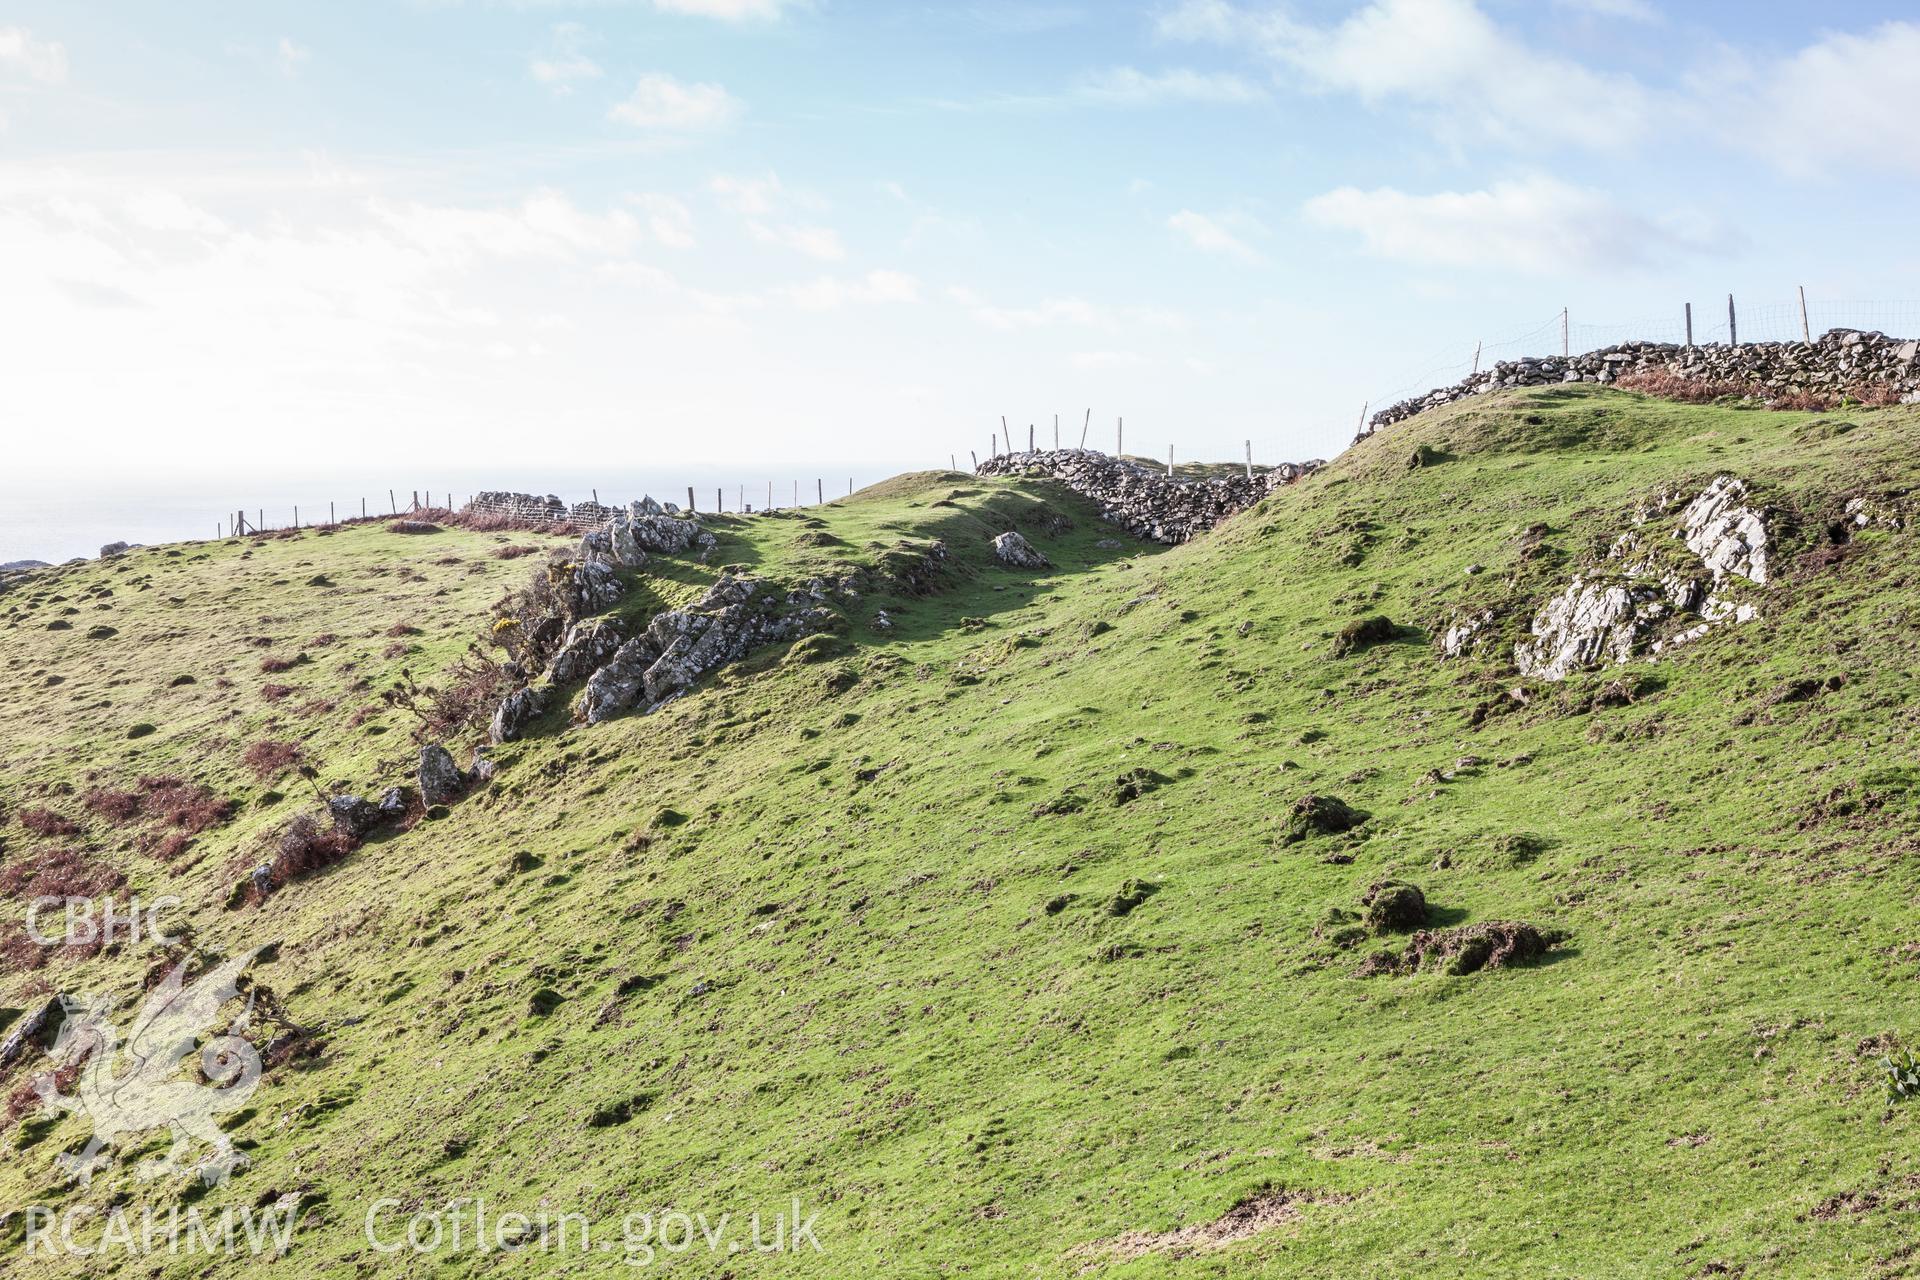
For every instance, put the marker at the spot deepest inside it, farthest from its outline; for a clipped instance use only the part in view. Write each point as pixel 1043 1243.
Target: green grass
pixel 849 974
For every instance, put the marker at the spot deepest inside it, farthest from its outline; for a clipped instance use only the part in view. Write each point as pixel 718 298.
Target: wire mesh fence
pixel 1565 333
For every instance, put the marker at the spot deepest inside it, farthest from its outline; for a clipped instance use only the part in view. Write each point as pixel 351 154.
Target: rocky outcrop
pixel 1662 589
pixel 1839 361
pixel 589 643
pixel 1461 634
pixel 515 712
pixel 639 531
pixel 1013 550
pixel 1144 500
pixel 678 646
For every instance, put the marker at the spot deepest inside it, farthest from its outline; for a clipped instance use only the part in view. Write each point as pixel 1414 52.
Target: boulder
pixel 115 549
pixel 1012 549
pixel 394 802
pixel 352 816
pixel 441 781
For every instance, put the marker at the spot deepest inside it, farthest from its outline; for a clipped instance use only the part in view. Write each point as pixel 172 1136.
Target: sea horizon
pixel 45 518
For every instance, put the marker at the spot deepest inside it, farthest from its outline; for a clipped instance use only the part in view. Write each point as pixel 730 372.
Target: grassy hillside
pixel 882 929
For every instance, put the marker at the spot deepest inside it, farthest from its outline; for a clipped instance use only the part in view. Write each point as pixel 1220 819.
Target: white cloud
pixel 760 200
pixel 829 293
pixel 1213 20
pixel 290 57
pixel 1105 359
pixel 1130 86
pixel 1829 108
pixel 565 63
pixel 157 209
pixel 1068 311
pixel 1538 224
pixel 750 196
pixel 668 220
pixel 547 224
pixel 1468 78
pixel 42 60
pixel 1208 236
pixel 730 10
pixel 1627 10
pixel 815 242
pixel 662 104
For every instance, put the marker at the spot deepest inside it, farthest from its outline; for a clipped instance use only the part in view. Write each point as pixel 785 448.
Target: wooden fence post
pixel 1363 416
pixel 1249 459
pixel 1733 324
pixel 1806 334
pixel 819 492
pixel 690 507
pixel 393 502
pixel 976 461
pixel 1056 433
pixel 1169 462
pixel 1083 428
pixel 719 501
pixel 1566 343
pixel 1119 437
pixel 1476 358
pixel 1029 437
pixel 1689 324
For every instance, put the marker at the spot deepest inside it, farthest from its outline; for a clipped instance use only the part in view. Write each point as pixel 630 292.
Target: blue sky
pixel 687 231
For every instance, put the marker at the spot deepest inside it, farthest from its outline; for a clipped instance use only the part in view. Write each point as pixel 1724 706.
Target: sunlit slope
pixel 982 936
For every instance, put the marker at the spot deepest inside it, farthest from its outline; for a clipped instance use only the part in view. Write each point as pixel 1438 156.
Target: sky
pixel 376 236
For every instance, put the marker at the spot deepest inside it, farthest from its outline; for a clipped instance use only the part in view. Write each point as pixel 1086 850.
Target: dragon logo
pixel 125 1091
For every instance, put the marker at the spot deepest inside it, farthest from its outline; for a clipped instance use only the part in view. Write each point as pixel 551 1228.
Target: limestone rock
pixel 1012 549
pixel 1460 635
pixel 1606 619
pixel 679 646
pixel 1729 538
pixel 515 712
pixel 588 645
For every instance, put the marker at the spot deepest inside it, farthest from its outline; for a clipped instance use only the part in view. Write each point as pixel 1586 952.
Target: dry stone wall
pixel 1839 361
pixel 1144 500
pixel 535 509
